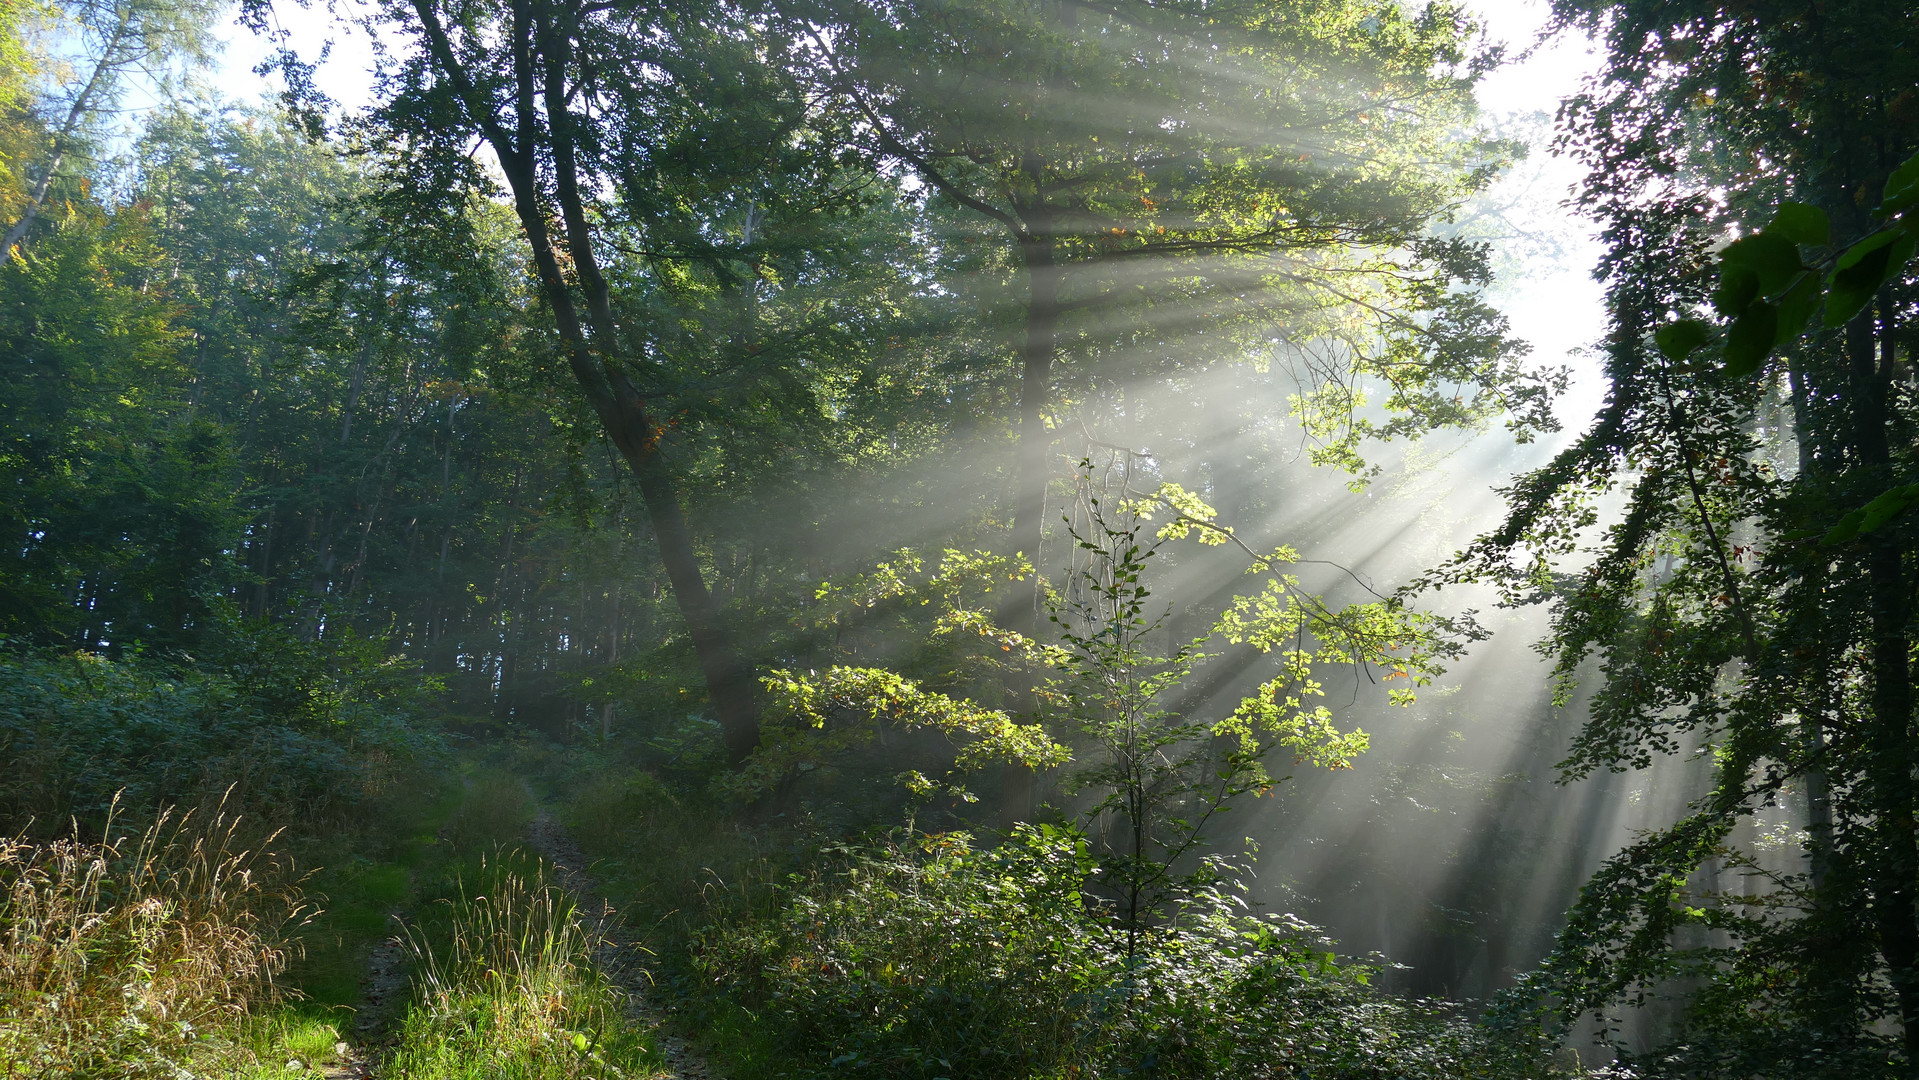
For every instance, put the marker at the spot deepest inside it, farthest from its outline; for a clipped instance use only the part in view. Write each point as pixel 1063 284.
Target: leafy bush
pixel 291 741
pixel 140 954
pixel 934 958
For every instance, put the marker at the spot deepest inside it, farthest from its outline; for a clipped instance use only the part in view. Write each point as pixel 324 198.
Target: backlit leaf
pixel 1681 339
pixel 1801 224
pixel 1750 339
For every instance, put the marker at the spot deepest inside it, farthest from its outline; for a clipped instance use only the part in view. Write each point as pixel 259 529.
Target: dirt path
pixel 618 953
pixel 386 991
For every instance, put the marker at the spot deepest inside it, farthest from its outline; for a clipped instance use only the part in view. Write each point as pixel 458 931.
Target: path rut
pixel 618 953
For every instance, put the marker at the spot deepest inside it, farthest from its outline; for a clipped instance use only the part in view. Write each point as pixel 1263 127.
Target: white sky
pixel 1554 304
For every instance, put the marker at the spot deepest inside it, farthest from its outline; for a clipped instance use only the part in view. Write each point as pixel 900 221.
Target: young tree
pixel 117 40
pixel 1159 773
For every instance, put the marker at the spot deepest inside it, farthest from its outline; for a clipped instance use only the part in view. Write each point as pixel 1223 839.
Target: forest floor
pixel 369 1040
pixel 385 989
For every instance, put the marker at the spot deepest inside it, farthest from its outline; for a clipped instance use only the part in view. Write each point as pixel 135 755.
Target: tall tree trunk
pixel 1818 784
pixel 1032 466
pixel 1890 776
pixel 1030 475
pixel 594 348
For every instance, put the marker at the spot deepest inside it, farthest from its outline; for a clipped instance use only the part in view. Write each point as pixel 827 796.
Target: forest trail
pixel 617 951
pixel 386 986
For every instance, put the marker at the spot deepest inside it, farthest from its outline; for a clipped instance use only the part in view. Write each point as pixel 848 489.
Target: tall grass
pixel 683 870
pixel 508 990
pixel 678 865
pixel 137 954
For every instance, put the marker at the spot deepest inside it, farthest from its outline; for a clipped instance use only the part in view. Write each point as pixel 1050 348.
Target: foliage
pixel 1153 777
pixel 508 988
pixel 1769 292
pixel 929 957
pixel 296 732
pixel 856 700
pixel 1721 621
pixel 114 495
pixel 1158 776
pixel 110 44
pixel 1181 181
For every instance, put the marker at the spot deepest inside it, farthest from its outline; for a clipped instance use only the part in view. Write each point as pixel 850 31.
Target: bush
pixel 933 958
pixel 137 955
pixel 81 732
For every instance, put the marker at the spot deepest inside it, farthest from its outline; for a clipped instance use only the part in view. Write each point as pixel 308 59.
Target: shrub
pixel 933 958
pixel 82 732
pixel 138 954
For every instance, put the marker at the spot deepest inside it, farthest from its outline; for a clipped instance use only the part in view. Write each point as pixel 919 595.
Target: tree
pixel 1727 610
pixel 117 39
pixel 1150 775
pixel 120 503
pixel 569 97
pixel 1178 182
pixel 1158 776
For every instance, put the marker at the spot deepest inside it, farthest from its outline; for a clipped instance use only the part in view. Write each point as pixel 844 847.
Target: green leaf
pixel 1888 506
pixel 1750 339
pixel 1738 288
pixel 1861 271
pixel 1796 307
pixel 1771 256
pixel 1864 250
pixel 1902 189
pixel 1801 224
pixel 1681 339
pixel 1873 515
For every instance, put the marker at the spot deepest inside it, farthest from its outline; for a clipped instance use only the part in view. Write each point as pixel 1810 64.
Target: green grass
pixel 507 988
pixel 139 953
pixel 291 1034
pixel 677 867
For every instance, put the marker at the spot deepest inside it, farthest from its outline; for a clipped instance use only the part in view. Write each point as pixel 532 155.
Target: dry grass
pixel 137 953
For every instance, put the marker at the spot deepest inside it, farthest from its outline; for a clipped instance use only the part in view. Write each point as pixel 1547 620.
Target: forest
pixel 957 540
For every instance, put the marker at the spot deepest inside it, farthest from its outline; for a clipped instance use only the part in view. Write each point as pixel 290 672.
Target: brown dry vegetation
pixel 139 952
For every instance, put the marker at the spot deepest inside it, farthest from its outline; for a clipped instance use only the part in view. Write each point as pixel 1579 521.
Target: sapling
pixel 1157 776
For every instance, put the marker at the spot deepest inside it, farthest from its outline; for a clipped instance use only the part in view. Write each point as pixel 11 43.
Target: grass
pixel 679 869
pixel 139 953
pixel 195 948
pixel 508 989
pixel 364 878
pixel 293 1034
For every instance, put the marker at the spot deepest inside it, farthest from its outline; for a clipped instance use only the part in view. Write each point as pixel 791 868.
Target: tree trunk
pixel 1030 475
pixel 594 348
pixel 63 140
pixel 1032 466
pixel 1890 775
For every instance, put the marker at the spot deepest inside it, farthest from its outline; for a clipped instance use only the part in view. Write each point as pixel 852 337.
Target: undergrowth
pixel 916 956
pixel 140 953
pixel 313 733
pixel 931 957
pixel 507 988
